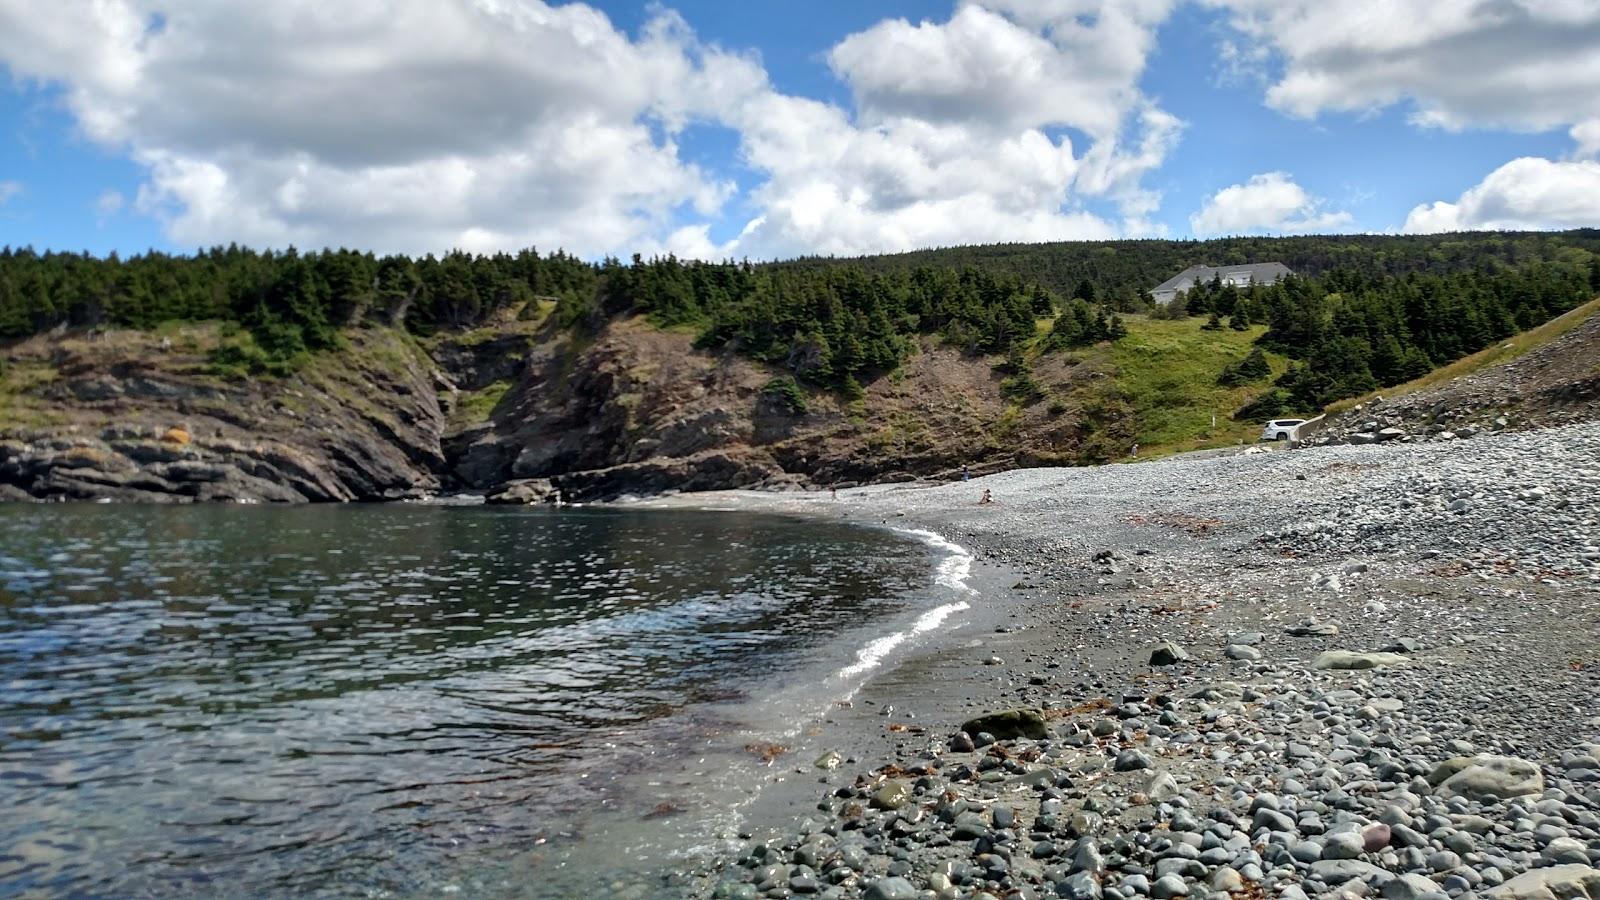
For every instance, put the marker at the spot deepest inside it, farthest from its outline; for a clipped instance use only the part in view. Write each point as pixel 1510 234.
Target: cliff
pixel 142 416
pixel 520 409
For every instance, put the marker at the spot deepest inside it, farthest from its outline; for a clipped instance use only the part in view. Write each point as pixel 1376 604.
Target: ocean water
pixel 419 701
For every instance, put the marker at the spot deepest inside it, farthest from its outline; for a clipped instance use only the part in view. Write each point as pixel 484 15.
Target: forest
pixel 1362 311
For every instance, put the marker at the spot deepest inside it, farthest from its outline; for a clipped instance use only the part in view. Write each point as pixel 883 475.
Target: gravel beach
pixel 1353 670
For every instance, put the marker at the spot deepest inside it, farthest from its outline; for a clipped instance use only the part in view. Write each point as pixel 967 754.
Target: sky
pixel 716 129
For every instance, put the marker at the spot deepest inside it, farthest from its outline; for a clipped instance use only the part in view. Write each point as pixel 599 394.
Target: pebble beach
pixel 1338 671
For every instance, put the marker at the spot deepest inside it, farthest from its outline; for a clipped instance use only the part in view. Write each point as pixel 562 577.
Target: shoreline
pixel 1474 563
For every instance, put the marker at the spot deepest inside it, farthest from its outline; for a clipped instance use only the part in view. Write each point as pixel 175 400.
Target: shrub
pixel 1250 369
pixel 1270 405
pixel 784 394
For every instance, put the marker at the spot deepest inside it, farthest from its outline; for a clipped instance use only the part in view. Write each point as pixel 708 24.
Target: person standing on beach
pixel 966 473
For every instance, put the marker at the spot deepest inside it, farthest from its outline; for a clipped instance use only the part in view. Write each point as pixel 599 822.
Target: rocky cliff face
pixel 516 411
pixel 137 417
pixel 638 410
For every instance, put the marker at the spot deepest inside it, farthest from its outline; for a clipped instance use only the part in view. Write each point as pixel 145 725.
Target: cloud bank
pixel 1524 194
pixel 417 125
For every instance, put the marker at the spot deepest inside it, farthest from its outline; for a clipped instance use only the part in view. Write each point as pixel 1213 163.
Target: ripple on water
pixel 386 698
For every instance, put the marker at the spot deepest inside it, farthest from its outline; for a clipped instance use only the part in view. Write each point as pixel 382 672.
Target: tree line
pixel 1364 312
pixel 1349 332
pixel 1123 270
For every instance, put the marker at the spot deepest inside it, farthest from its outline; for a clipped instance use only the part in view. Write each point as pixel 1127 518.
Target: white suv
pixel 1282 429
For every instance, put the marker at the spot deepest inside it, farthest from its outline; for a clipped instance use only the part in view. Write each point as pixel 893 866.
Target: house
pixel 1244 276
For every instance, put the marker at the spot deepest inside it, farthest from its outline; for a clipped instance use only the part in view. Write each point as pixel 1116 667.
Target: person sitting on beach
pixel 988 497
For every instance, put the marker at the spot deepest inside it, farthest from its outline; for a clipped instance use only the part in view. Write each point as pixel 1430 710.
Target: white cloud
pixel 959 132
pixel 1524 194
pixel 1268 202
pixel 9 190
pixel 1521 64
pixel 108 204
pixel 419 125
pixel 1587 136
pixel 1004 65
pixel 411 125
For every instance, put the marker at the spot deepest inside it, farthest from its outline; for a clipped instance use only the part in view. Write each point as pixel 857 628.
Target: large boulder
pixel 1486 778
pixel 1572 882
pixel 1351 659
pixel 1011 723
pixel 525 491
pixel 1167 653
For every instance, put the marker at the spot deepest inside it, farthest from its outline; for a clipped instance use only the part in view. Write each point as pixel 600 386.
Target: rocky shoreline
pixel 1352 671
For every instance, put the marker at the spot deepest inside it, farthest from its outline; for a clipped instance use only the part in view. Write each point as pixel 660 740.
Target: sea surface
pixel 420 700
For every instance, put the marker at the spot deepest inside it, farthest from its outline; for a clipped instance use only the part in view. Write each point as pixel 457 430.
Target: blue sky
pixel 715 128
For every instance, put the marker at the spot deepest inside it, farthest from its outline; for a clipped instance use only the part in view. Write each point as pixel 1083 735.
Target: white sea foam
pixel 955 568
pixel 952 573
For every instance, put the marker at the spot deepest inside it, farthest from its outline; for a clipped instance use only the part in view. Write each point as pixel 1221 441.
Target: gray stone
pixel 1088 858
pixel 1169 886
pixel 1079 886
pixel 969 827
pixel 1132 760
pixel 1489 778
pixel 1566 851
pixel 1411 886
pixel 895 793
pixel 1161 786
pixel 1271 820
pixel 895 888
pixel 1572 882
pixel 1227 879
pixel 1241 652
pixel 1339 871
pixel 1344 845
pixel 1351 659
pixel 1009 724
pixel 1167 653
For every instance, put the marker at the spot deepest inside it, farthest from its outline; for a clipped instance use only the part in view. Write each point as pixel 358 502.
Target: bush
pixel 784 394
pixel 1021 388
pixel 1250 369
pixel 1271 405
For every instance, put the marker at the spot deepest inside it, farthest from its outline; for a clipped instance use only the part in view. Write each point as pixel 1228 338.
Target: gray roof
pixel 1260 273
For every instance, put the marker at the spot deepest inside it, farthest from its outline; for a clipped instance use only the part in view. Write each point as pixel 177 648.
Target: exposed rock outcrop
pixel 518 411
pixel 119 418
pixel 635 409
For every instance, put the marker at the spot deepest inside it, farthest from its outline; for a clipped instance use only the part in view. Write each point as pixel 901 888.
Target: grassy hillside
pixel 1165 373
pixel 1169 372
